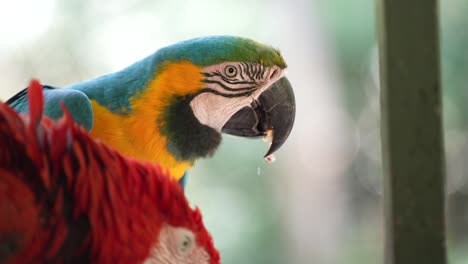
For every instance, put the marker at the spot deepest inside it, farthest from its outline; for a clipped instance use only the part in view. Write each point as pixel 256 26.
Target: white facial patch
pixel 177 245
pixel 229 87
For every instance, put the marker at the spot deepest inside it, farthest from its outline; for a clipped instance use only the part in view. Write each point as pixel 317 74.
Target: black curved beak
pixel 274 110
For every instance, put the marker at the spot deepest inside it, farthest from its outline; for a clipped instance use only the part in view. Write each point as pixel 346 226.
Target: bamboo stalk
pixel 412 142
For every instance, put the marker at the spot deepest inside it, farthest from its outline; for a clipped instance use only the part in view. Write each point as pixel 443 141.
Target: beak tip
pixel 274 146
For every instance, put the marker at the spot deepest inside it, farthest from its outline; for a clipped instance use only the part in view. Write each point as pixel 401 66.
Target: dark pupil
pixel 231 70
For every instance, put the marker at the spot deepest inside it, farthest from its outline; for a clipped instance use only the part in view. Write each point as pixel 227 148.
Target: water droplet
pixel 258 171
pixel 270 158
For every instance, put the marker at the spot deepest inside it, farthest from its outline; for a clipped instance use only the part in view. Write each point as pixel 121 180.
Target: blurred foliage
pixel 242 185
pixel 352 27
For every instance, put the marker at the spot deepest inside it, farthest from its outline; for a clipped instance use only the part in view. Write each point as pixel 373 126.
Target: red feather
pixel 70 199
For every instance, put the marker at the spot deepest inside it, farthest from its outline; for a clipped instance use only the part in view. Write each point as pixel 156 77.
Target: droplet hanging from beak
pixel 270 158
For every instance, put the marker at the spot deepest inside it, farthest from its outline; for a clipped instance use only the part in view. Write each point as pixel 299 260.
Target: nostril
pixel 274 74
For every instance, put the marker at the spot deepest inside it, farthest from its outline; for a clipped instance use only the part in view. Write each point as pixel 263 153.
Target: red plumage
pixel 65 198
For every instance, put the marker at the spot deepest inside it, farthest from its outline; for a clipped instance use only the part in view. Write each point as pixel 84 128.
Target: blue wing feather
pixel 183 181
pixel 76 102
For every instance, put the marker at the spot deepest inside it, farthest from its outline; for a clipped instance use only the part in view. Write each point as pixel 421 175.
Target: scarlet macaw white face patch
pixel 177 245
pixel 230 86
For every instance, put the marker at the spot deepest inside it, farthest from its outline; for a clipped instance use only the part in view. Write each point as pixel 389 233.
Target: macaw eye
pixel 185 243
pixel 230 71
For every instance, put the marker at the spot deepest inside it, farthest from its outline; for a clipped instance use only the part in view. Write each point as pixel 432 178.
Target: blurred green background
pixel 320 202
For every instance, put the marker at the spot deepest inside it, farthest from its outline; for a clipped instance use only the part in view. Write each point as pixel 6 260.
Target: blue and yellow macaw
pixel 172 106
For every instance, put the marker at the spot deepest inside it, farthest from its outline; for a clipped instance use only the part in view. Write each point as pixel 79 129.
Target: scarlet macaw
pixel 65 198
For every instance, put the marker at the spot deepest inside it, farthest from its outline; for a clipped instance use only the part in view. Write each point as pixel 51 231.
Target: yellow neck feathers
pixel 137 134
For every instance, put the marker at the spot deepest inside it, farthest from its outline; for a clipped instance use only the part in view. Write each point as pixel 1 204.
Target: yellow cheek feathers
pixel 137 134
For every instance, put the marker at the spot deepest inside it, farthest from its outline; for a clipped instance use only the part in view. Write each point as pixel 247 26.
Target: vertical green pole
pixel 412 131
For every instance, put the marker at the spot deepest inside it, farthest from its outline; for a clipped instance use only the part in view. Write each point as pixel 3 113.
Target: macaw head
pixel 183 238
pixel 223 84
